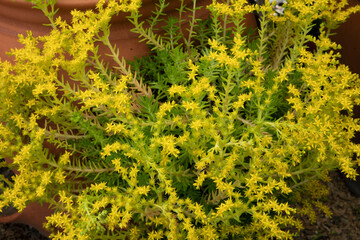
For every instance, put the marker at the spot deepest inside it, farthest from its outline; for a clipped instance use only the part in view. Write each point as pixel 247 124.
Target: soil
pixel 345 221
pixel 17 231
pixel 343 225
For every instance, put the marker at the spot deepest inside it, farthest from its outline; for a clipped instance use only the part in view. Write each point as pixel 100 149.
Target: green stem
pixel 281 50
pixel 63 136
pixel 225 22
pixel 227 92
pixel 304 182
pixel 115 56
pixel 264 39
pixel 151 38
pixel 79 169
pixel 193 20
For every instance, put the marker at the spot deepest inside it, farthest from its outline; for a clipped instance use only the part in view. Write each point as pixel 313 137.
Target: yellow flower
pixel 165 107
pixel 184 138
pixel 109 148
pixel 294 91
pixel 176 89
pixel 200 179
pixel 241 100
pixel 64 159
pixel 98 186
pixel 143 190
pixel 46 177
pixel 59 176
pixel 168 144
pixel 40 191
pixel 116 128
pixel 190 105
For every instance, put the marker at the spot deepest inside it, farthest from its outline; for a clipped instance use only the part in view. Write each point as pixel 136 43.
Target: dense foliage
pixel 205 138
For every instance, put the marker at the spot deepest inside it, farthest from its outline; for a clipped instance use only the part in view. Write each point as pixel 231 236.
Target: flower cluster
pixel 206 138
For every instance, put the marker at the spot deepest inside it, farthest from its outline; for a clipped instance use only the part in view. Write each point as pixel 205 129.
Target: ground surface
pixel 345 221
pixel 15 231
pixel 344 224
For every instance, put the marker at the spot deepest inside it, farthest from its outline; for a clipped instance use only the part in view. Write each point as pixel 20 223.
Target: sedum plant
pixel 207 137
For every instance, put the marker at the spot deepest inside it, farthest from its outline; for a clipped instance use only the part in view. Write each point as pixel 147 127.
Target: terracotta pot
pixel 16 17
pixel 34 215
pixel 348 36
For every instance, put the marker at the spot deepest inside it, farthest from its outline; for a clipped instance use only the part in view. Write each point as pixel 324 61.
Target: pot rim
pixel 10 218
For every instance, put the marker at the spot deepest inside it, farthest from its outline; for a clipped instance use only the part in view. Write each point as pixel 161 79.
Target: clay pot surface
pixel 348 36
pixel 17 17
pixel 34 215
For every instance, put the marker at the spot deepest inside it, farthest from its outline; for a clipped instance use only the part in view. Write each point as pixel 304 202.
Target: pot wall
pixel 34 215
pixel 16 17
pixel 348 36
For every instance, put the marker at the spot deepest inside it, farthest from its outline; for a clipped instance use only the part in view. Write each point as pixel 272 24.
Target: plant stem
pixel 81 169
pixel 188 43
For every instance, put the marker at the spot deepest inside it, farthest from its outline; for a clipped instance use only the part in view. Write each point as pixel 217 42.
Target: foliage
pixel 205 138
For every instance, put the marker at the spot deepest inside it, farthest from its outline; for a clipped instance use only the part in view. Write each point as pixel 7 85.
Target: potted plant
pixel 205 138
pixel 17 17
